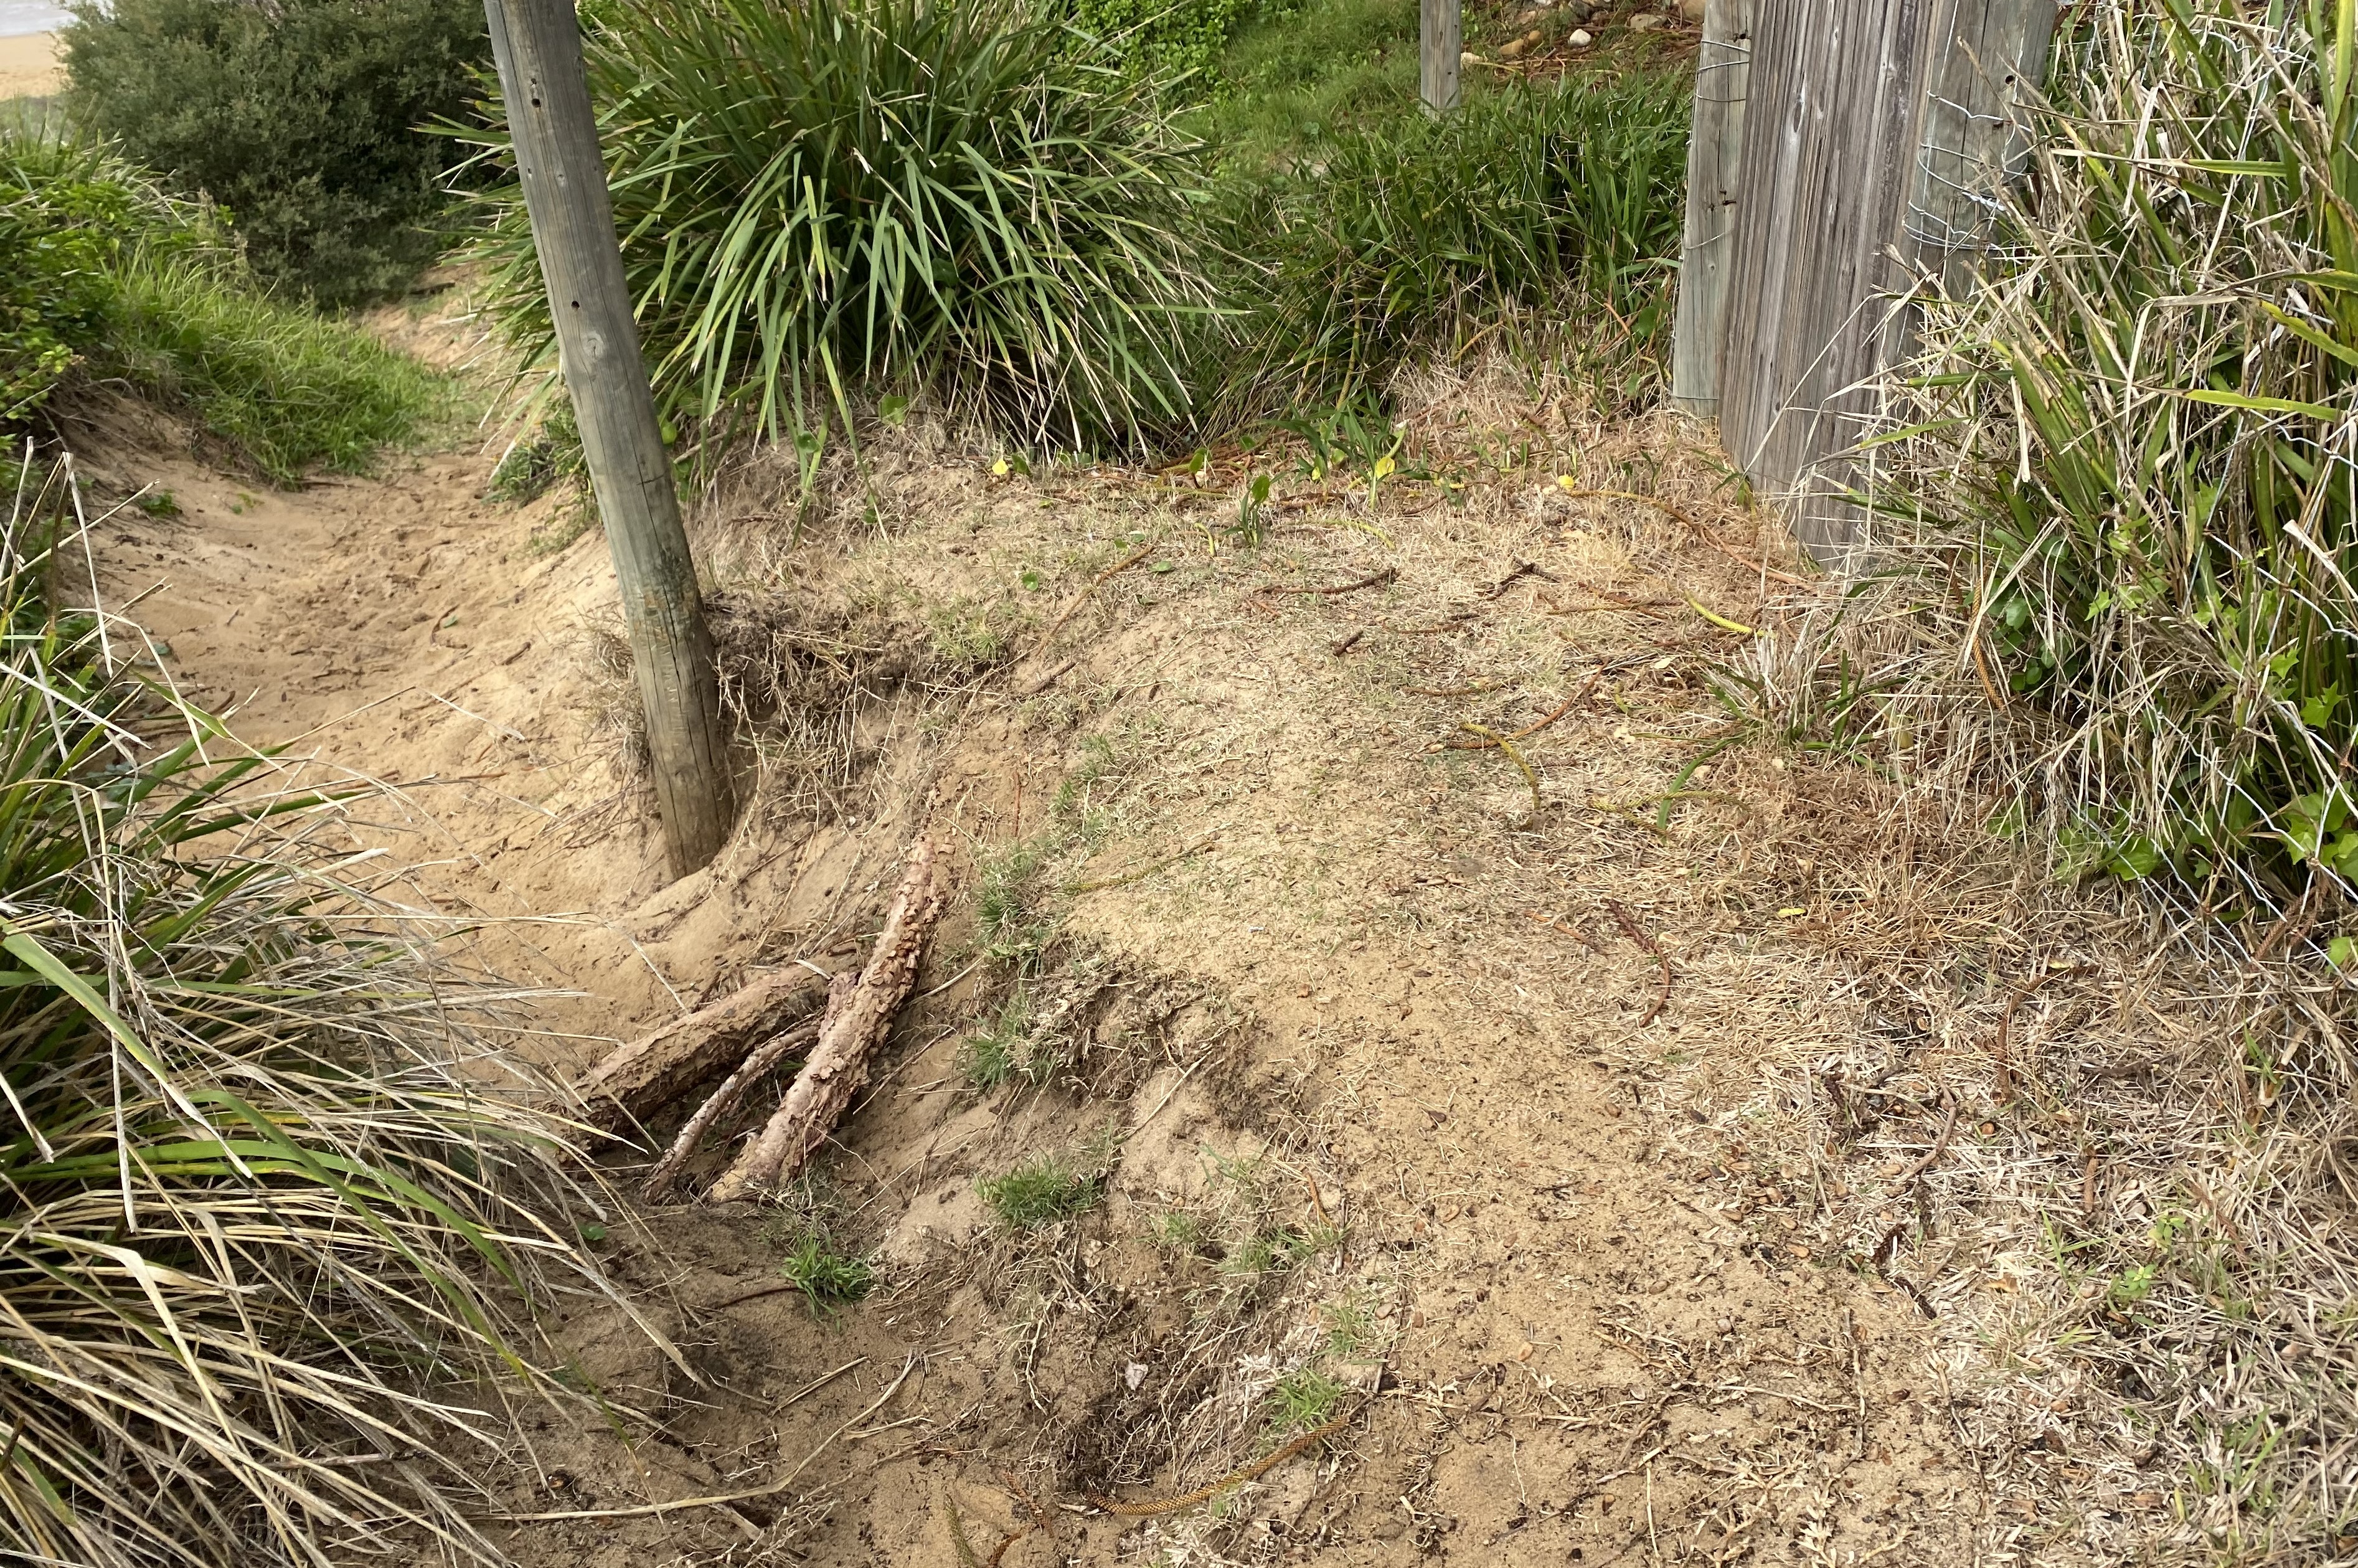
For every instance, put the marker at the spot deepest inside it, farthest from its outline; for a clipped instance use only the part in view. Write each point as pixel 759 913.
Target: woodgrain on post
pixel 537 47
pixel 1714 158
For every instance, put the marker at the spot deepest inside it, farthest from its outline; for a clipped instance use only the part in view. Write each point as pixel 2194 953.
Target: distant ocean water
pixel 20 16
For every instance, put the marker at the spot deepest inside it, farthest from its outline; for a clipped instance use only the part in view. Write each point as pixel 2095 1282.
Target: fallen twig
pixel 1455 623
pixel 1762 566
pixel 1073 889
pixel 1716 618
pixel 1348 641
pixel 1998 1045
pixel 1514 754
pixel 1629 924
pixel 1374 580
pixel 1653 607
pixel 1259 1467
pixel 1656 501
pixel 643 1510
pixel 636 1079
pixel 1940 1141
pixel 720 1102
pixel 1522 569
pixel 1531 729
pixel 1475 690
pixel 1095 583
pixel 1039 684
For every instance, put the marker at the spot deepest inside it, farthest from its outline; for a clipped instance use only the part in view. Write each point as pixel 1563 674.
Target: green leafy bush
pixel 2132 458
pixel 99 268
pixel 304 118
pixel 258 1199
pixel 889 193
pixel 1297 74
pixel 67 218
pixel 1177 41
pixel 1410 226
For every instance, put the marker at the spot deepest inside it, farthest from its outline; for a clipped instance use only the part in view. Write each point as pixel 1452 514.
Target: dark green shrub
pixel 899 193
pixel 301 117
pixel 1392 233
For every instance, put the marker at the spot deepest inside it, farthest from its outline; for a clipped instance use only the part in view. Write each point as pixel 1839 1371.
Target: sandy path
pixel 1586 1352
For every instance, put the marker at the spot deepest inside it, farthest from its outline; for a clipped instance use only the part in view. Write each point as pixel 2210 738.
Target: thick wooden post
pixel 537 46
pixel 1441 42
pixel 1723 69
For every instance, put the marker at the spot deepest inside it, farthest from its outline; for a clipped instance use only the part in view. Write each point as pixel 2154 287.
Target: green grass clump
pixel 1411 232
pixel 1303 1400
pixel 2137 478
pixel 102 271
pixel 1001 1047
pixel 291 390
pixel 1041 1192
pixel 259 1199
pixel 828 1279
pixel 544 456
pixel 891 194
pixel 1011 902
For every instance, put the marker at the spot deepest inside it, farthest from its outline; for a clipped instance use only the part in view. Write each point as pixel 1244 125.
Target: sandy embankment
pixel 28 66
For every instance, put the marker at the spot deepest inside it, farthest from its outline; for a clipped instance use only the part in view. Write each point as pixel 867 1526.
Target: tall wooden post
pixel 1439 53
pixel 537 46
pixel 1722 71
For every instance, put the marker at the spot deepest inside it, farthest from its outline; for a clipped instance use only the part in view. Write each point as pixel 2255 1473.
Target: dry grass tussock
pixel 278 1215
pixel 2101 1113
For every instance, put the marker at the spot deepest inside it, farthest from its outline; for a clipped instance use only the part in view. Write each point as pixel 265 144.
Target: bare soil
pixel 1393 1065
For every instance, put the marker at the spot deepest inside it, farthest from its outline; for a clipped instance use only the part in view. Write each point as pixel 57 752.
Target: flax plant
pixel 2130 458
pixel 838 197
pixel 262 1197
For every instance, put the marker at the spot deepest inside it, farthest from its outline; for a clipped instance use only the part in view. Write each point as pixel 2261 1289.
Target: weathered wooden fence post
pixel 1863 162
pixel 537 47
pixel 1723 69
pixel 1441 43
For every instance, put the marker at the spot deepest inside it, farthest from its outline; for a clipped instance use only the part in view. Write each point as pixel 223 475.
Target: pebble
pixel 1645 24
pixel 1580 39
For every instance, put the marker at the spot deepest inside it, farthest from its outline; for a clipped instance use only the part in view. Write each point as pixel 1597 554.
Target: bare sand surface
pixel 30 66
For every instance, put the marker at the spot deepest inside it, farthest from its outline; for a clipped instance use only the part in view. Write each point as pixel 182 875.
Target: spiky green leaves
pixel 841 197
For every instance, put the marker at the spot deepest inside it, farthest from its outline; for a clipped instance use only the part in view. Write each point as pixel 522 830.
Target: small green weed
pixel 158 504
pixel 535 463
pixel 1041 1192
pixel 1001 1047
pixel 1275 1249
pixel 971 635
pixel 1007 903
pixel 1177 1229
pixel 557 535
pixel 1303 1400
pixel 828 1279
pixel 1350 1327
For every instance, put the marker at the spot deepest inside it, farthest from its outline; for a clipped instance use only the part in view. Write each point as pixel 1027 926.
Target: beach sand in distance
pixel 28 66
